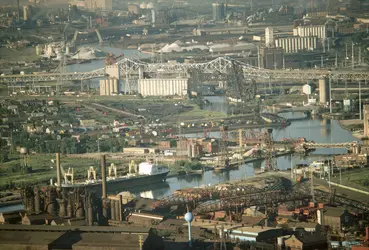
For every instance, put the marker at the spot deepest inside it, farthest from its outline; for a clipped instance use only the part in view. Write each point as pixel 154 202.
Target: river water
pixel 98 64
pixel 318 130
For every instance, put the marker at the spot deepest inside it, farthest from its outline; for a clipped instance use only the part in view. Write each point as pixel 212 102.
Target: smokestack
pixel 367 234
pixel 18 9
pixel 103 176
pixel 58 171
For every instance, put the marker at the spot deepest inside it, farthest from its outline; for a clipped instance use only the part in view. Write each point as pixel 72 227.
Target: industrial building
pixel 218 11
pixel 109 86
pixel 160 17
pixel 297 44
pixel 134 8
pixel 269 37
pixel 312 30
pixel 99 4
pixel 163 87
pixel 272 58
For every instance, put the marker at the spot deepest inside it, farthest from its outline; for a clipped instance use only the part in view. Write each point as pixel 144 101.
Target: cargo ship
pixel 145 173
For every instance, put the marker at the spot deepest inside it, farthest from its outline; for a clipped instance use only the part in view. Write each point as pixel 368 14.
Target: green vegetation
pixel 196 112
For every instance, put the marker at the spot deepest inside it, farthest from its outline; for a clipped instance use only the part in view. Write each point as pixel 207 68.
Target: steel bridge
pixel 349 145
pixel 133 69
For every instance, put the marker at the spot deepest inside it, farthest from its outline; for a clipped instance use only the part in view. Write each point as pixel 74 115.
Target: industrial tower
pixel 269 151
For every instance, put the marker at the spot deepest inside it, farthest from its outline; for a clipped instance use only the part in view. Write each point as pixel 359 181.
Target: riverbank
pixel 355 126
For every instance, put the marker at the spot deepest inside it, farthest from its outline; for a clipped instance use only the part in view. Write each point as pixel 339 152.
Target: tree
pixel 4 151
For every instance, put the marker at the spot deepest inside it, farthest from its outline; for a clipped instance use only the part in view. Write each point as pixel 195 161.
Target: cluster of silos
pixel 219 11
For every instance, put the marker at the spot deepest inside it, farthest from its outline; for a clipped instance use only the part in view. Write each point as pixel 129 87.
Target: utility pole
pixel 140 241
pixel 329 175
pixel 346 55
pixel 328 44
pixel 360 111
pixel 330 94
pixel 312 184
pixel 353 56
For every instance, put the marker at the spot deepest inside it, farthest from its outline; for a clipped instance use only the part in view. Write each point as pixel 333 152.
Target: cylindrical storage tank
pixel 51 208
pixel 61 208
pixel 69 209
pixel 38 50
pixel 143 5
pixel 37 201
pixel 80 211
pixel 112 209
pixel 117 211
pixel 280 241
pixel 90 217
pixel 150 5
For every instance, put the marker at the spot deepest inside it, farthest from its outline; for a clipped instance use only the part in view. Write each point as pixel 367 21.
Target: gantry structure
pixel 133 69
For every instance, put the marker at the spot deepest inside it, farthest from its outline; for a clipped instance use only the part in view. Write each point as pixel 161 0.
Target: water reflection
pixel 190 178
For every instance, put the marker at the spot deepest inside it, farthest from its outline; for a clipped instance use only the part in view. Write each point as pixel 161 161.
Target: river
pixel 98 64
pixel 318 130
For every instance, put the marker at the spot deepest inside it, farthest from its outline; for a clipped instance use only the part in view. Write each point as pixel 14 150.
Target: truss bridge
pixel 133 69
pixel 354 146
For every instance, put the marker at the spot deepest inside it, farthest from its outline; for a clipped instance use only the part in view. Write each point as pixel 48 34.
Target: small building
pixel 144 219
pixel 254 233
pixel 337 218
pixel 33 103
pixel 13 109
pixel 306 241
pixel 308 227
pixel 164 144
pixel 87 123
pixel 351 160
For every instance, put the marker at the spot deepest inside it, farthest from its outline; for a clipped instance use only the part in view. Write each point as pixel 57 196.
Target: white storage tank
pixel 143 5
pixel 150 5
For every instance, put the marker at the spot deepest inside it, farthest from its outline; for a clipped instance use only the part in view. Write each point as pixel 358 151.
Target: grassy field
pixel 197 113
pixel 355 178
pixel 24 54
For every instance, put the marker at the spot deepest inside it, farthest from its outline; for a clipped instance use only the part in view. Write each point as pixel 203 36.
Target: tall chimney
pixel 58 171
pixel 367 234
pixel 18 10
pixel 103 176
